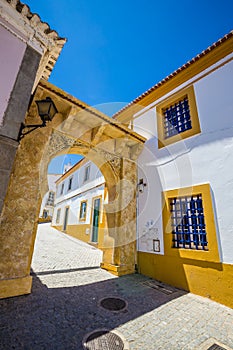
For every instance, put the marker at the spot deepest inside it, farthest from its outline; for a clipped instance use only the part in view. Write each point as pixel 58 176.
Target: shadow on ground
pixel 59 318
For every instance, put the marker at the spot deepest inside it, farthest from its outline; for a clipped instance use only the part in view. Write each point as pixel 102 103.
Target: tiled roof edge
pixel 45 30
pixel 184 66
pixel 34 18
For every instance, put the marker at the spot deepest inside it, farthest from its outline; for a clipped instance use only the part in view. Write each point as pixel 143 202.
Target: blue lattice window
pixel 188 222
pixel 177 118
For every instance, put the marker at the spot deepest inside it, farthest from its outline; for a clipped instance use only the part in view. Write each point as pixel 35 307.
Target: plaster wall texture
pixel 12 51
pixel 74 207
pixel 20 95
pixel 81 190
pixel 203 158
pixel 78 180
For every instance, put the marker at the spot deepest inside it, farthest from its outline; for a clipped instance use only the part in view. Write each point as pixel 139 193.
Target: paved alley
pixel 64 305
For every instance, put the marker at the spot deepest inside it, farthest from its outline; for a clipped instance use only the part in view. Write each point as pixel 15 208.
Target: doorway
pixel 95 220
pixel 66 218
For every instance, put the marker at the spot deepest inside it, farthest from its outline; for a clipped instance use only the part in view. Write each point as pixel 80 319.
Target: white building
pixel 185 222
pixel 80 196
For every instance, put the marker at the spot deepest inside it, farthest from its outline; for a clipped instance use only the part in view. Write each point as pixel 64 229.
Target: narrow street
pixel 64 305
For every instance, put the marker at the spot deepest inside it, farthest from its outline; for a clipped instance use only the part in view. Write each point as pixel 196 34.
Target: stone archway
pixel 80 129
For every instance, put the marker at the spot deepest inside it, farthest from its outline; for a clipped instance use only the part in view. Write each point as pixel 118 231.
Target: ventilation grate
pixel 159 286
pixel 216 347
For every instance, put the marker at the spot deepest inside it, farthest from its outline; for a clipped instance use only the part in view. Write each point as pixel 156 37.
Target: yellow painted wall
pixel 198 271
pixel 79 232
pixel 208 279
pixel 59 228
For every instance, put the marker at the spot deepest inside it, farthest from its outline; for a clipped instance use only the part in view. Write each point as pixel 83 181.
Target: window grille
pixel 177 118
pixel 188 222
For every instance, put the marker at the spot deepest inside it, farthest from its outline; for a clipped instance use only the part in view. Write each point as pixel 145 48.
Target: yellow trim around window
pixel 212 254
pixel 189 92
pixel 80 211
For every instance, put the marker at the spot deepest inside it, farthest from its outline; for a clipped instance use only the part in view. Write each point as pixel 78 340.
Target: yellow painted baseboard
pixel 16 286
pixel 208 279
pixel 118 270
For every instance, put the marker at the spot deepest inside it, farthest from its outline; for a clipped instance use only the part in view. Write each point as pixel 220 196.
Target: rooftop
pixel 36 30
pixel 140 101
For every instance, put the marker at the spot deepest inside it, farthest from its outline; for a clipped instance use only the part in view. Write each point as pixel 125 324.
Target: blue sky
pixel 57 164
pixel 117 50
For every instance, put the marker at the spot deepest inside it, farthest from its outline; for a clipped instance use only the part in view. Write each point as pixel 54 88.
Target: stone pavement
pixel 64 305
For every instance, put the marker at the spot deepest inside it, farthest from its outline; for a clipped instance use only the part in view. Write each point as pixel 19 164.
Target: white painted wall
pixel 74 206
pixel 11 54
pixel 204 158
pixel 78 180
pixel 81 190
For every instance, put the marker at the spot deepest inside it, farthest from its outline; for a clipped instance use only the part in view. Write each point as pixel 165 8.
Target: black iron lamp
pixel 46 110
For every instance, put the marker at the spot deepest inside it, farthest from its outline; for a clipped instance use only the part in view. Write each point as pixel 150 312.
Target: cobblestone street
pixel 64 305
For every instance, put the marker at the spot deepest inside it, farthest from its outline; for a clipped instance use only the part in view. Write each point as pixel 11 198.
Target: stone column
pixel 19 218
pixel 120 251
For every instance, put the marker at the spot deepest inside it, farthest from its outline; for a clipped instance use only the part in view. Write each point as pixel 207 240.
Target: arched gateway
pixel 77 128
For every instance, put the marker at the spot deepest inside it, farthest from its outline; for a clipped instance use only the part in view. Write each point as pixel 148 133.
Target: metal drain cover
pixel 113 304
pixel 103 340
pixel 216 347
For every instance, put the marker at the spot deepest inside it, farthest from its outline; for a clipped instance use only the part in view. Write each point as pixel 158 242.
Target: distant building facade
pixel 48 201
pixel 80 196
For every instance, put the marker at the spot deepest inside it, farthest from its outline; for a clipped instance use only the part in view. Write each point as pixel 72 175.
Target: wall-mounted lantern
pixel 46 110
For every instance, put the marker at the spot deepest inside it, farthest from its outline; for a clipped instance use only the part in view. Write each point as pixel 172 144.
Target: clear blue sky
pixel 116 50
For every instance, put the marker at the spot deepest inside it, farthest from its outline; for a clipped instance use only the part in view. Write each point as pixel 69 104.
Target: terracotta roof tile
pixel 43 28
pixel 184 66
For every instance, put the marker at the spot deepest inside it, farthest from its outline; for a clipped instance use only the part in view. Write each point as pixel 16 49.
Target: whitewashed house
pixel 185 175
pixel 80 196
